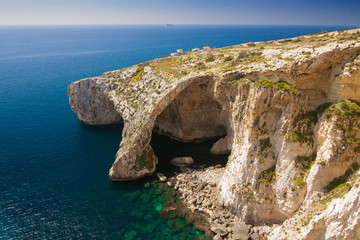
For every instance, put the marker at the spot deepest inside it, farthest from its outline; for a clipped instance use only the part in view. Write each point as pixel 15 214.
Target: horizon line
pixel 174 24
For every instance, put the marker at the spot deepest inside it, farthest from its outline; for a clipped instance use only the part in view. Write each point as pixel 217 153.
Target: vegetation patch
pixel 267 177
pixel 200 66
pixel 137 76
pixel 228 58
pixel 144 161
pixel 347 114
pixel 299 182
pixel 305 162
pixel 336 189
pixel 210 58
pixel 228 69
pixel 285 41
pixel 303 126
pixel 337 182
pixel 284 86
pixel 323 32
pixel 264 144
pixel 175 67
pixel 288 59
pixel 177 62
pixel 345 109
pixel 264 83
pixel 279 86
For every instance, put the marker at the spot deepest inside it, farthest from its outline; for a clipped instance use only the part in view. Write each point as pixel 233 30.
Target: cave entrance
pixel 189 126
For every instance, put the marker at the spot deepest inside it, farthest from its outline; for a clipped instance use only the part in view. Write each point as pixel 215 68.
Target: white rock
pixel 162 177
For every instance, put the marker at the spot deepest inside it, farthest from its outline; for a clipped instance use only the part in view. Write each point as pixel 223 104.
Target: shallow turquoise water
pixel 53 170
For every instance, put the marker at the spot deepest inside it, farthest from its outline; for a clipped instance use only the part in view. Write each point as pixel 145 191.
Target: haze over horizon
pixel 243 12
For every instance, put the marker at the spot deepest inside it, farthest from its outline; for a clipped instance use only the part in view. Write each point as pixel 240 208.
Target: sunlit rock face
pixel 288 113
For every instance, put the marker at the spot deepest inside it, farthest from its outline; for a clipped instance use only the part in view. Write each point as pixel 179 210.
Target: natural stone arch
pixel 136 158
pixel 195 115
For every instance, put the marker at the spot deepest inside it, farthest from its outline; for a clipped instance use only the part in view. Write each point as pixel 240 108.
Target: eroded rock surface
pixel 287 110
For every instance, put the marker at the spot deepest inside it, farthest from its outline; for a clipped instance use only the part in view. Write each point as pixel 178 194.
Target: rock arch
pixel 190 112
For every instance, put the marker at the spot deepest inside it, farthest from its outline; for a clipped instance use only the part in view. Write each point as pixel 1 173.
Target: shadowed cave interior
pixel 190 126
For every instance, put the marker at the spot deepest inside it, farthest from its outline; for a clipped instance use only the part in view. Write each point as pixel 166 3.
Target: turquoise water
pixel 53 170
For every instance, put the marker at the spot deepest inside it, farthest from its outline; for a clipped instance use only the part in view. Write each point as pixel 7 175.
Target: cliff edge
pixel 289 111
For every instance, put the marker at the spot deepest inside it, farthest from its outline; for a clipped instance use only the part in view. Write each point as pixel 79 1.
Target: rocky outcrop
pixel 88 98
pixel 286 110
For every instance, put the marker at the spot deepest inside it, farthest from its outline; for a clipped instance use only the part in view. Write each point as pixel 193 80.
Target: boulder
pixel 182 161
pixel 254 236
pixel 217 237
pixel 219 229
pixel 241 231
pixel 220 147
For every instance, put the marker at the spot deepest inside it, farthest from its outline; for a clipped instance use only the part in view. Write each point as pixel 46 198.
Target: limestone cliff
pixel 288 111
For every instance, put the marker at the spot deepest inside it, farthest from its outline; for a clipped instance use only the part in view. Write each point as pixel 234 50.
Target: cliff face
pixel 288 110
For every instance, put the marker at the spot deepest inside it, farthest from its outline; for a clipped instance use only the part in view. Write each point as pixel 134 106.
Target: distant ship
pixel 169 25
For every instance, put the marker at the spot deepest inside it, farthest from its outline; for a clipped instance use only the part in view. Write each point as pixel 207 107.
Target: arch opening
pixel 193 124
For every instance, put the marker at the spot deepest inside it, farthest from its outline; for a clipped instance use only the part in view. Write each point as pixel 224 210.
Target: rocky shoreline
pixel 197 191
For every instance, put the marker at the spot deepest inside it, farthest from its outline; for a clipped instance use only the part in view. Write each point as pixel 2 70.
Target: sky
pixel 243 12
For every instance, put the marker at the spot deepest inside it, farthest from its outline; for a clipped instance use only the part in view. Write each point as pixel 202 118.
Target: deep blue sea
pixel 53 170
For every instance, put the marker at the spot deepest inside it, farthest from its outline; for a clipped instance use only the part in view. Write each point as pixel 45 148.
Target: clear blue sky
pixel 283 12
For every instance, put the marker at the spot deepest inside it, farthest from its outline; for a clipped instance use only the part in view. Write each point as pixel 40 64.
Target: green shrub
pixel 228 58
pixel 264 83
pixel 305 162
pixel 200 66
pixel 346 109
pixel 268 176
pixel 337 182
pixel 303 128
pixel 210 58
pixel 299 182
pixel 284 86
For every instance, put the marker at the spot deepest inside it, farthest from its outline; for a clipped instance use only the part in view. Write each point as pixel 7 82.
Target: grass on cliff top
pixel 177 68
pixel 137 76
pixel 243 57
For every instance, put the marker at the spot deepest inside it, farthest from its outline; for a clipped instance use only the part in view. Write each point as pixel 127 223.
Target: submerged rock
pixel 182 161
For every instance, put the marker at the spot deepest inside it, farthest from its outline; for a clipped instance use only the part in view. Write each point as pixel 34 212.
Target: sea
pixel 54 180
